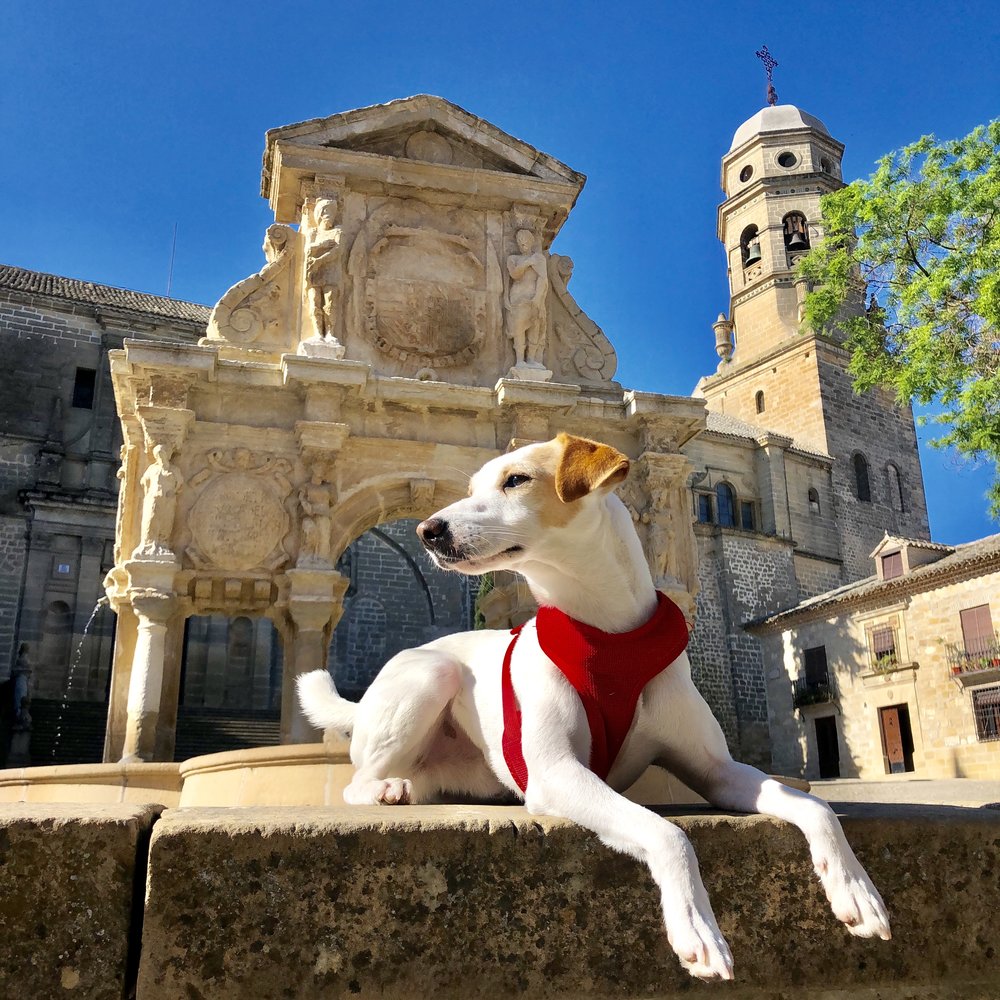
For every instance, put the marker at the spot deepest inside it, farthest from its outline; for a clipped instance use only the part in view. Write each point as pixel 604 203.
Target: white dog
pixel 479 713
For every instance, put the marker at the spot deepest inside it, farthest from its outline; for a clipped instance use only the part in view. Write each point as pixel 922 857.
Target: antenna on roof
pixel 170 272
pixel 769 66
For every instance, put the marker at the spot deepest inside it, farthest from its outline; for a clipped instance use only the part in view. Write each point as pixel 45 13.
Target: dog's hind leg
pixel 396 721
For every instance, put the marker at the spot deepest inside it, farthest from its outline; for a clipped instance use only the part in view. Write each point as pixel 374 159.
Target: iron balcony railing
pixel 983 654
pixel 811 691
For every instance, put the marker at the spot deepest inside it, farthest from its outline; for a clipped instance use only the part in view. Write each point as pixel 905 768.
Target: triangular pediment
pixel 425 129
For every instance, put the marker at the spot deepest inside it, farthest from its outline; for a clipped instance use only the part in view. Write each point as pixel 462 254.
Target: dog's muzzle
pixel 435 533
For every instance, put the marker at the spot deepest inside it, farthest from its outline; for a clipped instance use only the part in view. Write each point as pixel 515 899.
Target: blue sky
pixel 120 119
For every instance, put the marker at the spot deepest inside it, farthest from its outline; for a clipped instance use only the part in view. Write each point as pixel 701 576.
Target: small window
pixel 746 173
pixel 824 165
pixel 986 709
pixel 704 508
pixel 813 500
pixel 815 665
pixel 787 159
pixel 861 481
pixel 727 505
pixel 759 400
pixel 895 488
pixel 892 565
pixel 977 631
pixel 746 515
pixel 83 388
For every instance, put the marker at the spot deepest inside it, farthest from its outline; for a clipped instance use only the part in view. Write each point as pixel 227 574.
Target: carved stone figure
pixel 529 286
pixel 324 279
pixel 662 532
pixel 254 309
pixel 161 483
pixel 21 676
pixel 315 501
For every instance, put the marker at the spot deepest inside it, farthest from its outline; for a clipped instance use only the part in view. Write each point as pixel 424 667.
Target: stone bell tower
pixel 791 381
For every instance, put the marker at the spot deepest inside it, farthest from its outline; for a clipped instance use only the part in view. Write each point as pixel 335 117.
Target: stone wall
pixel 742 574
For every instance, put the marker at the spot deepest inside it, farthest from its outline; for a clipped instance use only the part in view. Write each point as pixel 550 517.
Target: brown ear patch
pixel 585 466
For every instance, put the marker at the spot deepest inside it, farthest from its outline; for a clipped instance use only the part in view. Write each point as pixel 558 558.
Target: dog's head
pixel 522 504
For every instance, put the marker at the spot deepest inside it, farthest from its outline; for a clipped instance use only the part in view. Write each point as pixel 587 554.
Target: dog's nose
pixel 433 531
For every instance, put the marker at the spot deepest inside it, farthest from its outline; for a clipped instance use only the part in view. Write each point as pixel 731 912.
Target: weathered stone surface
pixel 67 881
pixel 490 902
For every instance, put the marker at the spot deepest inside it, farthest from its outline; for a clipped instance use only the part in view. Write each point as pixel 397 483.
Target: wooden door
pixel 892 740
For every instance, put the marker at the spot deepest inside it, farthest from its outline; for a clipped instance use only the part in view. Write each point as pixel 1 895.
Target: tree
pixel 921 237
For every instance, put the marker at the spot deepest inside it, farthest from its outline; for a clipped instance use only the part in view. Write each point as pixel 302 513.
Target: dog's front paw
pixel 699 943
pixel 379 792
pixel 853 897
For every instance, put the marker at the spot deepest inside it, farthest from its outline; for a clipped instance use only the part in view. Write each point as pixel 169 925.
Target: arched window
pixel 750 246
pixel 813 500
pixel 796 232
pixel 861 480
pixel 759 400
pixel 726 504
pixel 895 484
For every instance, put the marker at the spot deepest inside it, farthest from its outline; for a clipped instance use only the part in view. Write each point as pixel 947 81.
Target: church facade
pixel 789 485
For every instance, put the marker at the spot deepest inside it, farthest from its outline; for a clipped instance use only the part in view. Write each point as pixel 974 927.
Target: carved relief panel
pixel 241 518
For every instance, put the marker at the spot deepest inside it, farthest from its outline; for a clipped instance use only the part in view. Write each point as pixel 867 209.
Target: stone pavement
pixel 932 791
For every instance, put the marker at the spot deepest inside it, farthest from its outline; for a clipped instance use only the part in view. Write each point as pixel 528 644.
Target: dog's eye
pixel 516 479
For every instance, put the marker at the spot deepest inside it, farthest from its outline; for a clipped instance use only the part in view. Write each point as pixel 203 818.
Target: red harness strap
pixel 607 670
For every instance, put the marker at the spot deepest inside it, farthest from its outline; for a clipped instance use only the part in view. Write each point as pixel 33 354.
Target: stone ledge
pixel 489 902
pixel 67 898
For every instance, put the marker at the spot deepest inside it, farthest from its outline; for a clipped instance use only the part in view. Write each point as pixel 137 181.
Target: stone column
pixel 774 499
pixel 153 611
pixel 315 605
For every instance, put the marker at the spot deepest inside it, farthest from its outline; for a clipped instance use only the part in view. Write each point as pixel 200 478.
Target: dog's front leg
pixel 851 894
pixel 560 785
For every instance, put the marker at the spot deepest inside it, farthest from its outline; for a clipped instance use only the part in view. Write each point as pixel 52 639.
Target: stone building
pixel 896 673
pixel 794 477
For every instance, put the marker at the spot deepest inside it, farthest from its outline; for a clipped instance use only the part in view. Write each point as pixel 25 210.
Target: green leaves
pixel 920 240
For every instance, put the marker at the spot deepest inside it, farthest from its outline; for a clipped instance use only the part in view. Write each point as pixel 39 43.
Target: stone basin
pixel 303 774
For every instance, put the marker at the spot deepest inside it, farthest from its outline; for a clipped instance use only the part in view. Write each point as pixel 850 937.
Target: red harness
pixel 607 670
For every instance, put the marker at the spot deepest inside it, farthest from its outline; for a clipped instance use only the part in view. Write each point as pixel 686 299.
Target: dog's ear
pixel 585 466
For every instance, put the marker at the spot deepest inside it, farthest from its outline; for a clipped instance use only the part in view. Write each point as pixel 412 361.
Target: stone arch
pixel 389 498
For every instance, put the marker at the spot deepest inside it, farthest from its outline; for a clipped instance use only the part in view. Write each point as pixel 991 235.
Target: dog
pixel 438 719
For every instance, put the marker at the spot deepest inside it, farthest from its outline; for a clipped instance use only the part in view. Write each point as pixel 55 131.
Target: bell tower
pixel 791 381
pixel 781 161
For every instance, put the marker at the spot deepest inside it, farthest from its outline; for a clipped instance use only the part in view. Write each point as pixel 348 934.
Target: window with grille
pixel 986 709
pixel 883 647
pixel 977 630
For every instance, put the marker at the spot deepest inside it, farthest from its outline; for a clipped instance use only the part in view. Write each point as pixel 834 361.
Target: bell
pixel 797 242
pixel 753 253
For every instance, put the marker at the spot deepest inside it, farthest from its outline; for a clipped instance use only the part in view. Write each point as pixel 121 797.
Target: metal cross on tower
pixel 769 64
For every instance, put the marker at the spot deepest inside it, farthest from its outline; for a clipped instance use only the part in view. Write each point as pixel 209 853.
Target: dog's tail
pixel 322 706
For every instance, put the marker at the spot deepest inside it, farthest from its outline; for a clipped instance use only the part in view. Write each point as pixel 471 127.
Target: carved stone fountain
pixel 408 324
